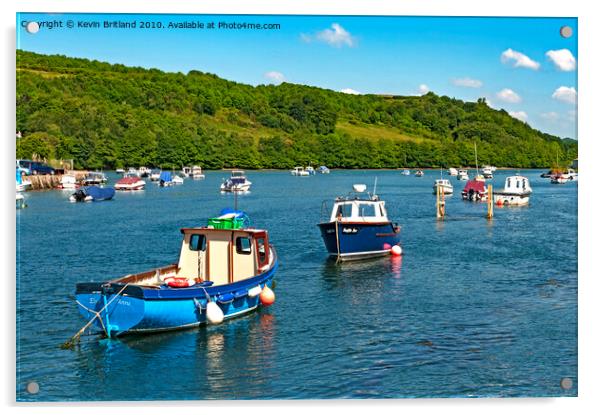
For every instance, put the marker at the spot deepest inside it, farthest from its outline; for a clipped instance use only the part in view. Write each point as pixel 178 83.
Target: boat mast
pixel 476 161
pixel 374 190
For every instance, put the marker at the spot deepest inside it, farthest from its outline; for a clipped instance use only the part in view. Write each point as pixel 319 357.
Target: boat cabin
pixel 358 207
pixel 219 256
pixel 517 184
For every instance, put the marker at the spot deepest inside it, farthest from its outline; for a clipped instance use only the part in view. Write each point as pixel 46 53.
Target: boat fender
pixel 267 296
pixel 396 250
pixel 215 315
pixel 255 291
pixel 175 282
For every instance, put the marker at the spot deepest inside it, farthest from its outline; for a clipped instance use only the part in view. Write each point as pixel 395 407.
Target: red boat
pixel 474 191
pixel 130 183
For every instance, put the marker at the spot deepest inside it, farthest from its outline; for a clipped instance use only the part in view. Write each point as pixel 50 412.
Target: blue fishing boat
pixel 359 227
pixel 225 269
pixel 92 194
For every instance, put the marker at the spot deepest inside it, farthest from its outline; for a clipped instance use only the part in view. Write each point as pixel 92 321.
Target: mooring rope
pixel 69 343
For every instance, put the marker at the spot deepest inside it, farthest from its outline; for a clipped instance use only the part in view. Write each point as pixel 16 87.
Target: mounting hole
pixel 566 383
pixel 566 31
pixel 33 387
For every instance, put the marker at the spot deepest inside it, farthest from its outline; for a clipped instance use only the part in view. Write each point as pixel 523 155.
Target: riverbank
pixel 52 181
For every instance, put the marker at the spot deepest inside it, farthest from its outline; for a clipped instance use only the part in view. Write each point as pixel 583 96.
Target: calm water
pixel 473 309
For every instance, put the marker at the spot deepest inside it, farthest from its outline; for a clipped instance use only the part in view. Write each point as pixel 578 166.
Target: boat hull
pixel 448 190
pixel 359 240
pixel 511 199
pixel 139 309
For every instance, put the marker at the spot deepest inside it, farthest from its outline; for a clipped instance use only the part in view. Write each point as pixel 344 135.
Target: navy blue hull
pixel 359 240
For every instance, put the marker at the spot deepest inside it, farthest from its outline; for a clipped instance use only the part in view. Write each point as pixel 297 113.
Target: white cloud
pixel 467 82
pixel 563 59
pixel 519 115
pixel 509 96
pixel 350 91
pixel 519 60
pixel 550 116
pixel 423 89
pixel 335 35
pixel 274 77
pixel 565 94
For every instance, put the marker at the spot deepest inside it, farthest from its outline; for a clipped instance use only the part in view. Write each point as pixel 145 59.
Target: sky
pixel 522 65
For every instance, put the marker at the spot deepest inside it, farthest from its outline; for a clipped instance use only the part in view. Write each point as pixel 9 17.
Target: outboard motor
pixel 79 196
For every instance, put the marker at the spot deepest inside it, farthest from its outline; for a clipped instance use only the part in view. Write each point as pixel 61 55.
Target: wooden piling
pixel 440 202
pixel 490 202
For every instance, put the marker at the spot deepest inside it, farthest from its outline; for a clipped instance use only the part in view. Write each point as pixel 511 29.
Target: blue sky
pixel 520 64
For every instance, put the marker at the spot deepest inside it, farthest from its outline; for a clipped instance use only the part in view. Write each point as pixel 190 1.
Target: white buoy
pixel 215 315
pixel 396 250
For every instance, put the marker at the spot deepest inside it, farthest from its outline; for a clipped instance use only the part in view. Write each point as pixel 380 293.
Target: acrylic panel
pixel 295 207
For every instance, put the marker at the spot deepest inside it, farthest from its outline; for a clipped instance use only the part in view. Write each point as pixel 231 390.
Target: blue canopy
pixel 99 193
pixel 165 176
pixel 19 178
pixel 229 212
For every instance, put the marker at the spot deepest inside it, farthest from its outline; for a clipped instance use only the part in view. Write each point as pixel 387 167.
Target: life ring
pixel 175 282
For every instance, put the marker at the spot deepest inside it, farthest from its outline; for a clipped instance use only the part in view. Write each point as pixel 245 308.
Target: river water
pixel 474 308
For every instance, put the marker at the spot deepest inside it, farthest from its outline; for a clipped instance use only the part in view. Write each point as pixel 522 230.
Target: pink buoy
pixel 396 250
pixel 386 246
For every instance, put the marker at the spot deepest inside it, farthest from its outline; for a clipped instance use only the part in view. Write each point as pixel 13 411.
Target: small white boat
pixel 324 170
pixel 444 184
pixel 406 172
pixel 310 170
pixel 95 178
pixel 20 201
pixel 299 171
pixel 462 175
pixel 186 171
pixel 517 191
pixel 487 172
pixel 197 172
pixel 22 184
pixel 419 173
pixel 155 175
pixel 68 182
pixel 177 179
pixel 144 171
pixel 132 172
pixel 452 171
pixel 237 182
pixel 119 171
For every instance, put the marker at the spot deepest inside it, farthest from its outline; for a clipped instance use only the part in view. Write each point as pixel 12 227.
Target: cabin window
pixel 508 183
pixel 344 211
pixel 367 209
pixel 197 242
pixel 243 245
pixel 262 255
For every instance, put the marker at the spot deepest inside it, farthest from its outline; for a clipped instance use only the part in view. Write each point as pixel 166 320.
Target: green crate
pixel 226 223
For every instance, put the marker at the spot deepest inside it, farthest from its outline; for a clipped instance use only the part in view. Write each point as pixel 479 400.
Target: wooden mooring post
pixel 440 202
pixel 490 202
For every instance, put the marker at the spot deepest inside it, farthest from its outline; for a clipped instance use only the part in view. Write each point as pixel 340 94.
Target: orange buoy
pixel 396 250
pixel 499 202
pixel 267 296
